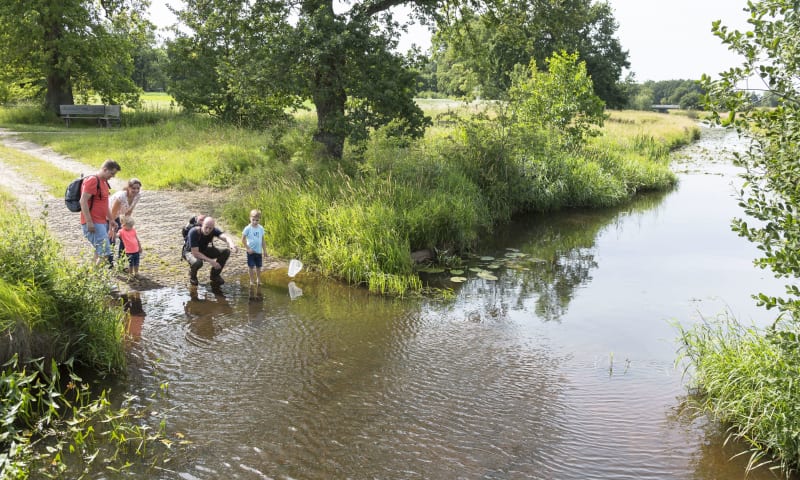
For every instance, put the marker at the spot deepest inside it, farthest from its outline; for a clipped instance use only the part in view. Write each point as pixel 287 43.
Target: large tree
pixel 481 47
pixel 72 46
pixel 344 62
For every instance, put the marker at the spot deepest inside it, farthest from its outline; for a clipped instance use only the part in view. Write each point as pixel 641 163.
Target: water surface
pixel 562 368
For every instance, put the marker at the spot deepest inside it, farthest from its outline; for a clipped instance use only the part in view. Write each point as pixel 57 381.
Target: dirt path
pixel 159 218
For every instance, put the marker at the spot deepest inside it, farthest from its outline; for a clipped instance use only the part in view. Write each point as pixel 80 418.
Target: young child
pixel 255 244
pixel 132 245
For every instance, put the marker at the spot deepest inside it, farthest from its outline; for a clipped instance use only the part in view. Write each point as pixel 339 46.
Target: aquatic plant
pixel 54 426
pixel 746 378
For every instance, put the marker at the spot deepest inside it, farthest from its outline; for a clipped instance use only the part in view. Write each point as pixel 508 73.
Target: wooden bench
pixel 104 114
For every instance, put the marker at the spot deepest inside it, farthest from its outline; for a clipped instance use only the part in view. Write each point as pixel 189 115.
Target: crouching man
pixel 200 248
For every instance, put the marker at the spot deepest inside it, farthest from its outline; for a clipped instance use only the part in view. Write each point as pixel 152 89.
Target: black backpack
pixel 72 195
pixel 185 231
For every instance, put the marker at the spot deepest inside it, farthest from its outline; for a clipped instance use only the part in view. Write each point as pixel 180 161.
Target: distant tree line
pixel 686 93
pixel 252 61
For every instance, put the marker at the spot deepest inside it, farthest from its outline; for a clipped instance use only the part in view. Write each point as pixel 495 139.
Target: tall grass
pixel 337 224
pixel 54 313
pixel 51 307
pixel 747 378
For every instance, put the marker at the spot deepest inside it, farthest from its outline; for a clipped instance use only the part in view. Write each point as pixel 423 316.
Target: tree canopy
pixel 62 47
pixel 480 47
pixel 259 58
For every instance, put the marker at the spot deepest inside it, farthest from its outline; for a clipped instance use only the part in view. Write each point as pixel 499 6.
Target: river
pixel 562 368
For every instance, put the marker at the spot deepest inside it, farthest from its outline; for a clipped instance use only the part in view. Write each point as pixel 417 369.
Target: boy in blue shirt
pixel 255 244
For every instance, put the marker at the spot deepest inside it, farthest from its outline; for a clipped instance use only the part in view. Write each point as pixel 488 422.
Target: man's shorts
pixel 254 260
pixel 98 239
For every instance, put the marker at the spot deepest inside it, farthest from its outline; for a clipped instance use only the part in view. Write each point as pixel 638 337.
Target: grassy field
pixel 359 219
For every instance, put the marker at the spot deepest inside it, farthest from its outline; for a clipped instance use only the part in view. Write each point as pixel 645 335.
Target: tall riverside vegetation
pixel 748 376
pixel 360 219
pixel 446 191
pixel 51 307
pixel 54 316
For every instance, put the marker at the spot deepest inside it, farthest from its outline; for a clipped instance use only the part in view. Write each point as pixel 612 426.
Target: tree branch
pixel 367 10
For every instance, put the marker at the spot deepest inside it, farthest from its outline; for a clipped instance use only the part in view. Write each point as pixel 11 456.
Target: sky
pixel 665 40
pixel 673 40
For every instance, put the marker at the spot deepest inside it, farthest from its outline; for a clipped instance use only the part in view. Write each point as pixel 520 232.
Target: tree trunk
pixel 59 92
pixel 327 87
pixel 59 87
pixel 329 98
pixel 330 138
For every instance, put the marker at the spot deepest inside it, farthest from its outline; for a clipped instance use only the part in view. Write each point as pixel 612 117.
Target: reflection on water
pixel 563 367
pixel 132 303
pixel 202 308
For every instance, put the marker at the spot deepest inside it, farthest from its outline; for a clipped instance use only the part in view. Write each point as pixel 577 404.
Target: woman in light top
pixel 122 204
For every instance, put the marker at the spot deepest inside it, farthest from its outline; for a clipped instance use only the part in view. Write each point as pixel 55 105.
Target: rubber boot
pixel 193 275
pixel 216 277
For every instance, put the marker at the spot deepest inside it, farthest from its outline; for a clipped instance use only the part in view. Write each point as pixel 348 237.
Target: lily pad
pixel 512 249
pixel 432 270
pixel 487 276
pixel 493 266
pixel 458 279
pixel 476 269
pixel 457 272
pixel 516 254
pixel 487 258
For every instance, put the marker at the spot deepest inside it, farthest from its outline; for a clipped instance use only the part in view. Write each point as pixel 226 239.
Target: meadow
pixel 359 219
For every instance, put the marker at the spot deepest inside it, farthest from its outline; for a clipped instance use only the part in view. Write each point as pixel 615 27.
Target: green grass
pixel 443 191
pixel 747 378
pixel 157 100
pixel 53 179
pixel 50 306
pixel 181 152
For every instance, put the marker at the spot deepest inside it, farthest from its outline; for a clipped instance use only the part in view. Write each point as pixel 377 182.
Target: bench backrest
pixel 112 110
pixel 96 110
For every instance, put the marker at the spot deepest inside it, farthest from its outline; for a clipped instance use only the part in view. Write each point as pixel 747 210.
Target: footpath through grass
pixel 359 219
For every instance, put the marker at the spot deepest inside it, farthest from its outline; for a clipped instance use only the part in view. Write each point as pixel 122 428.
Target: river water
pixel 562 368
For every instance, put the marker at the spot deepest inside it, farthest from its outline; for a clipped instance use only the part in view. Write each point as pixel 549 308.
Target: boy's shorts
pixel 98 239
pixel 254 260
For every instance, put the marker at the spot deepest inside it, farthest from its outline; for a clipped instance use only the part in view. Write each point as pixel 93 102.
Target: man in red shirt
pixel 95 214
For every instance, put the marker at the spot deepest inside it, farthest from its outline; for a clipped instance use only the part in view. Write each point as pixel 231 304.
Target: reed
pixel 746 378
pixel 339 226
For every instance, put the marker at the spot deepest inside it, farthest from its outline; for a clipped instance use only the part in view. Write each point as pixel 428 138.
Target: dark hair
pixel 111 165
